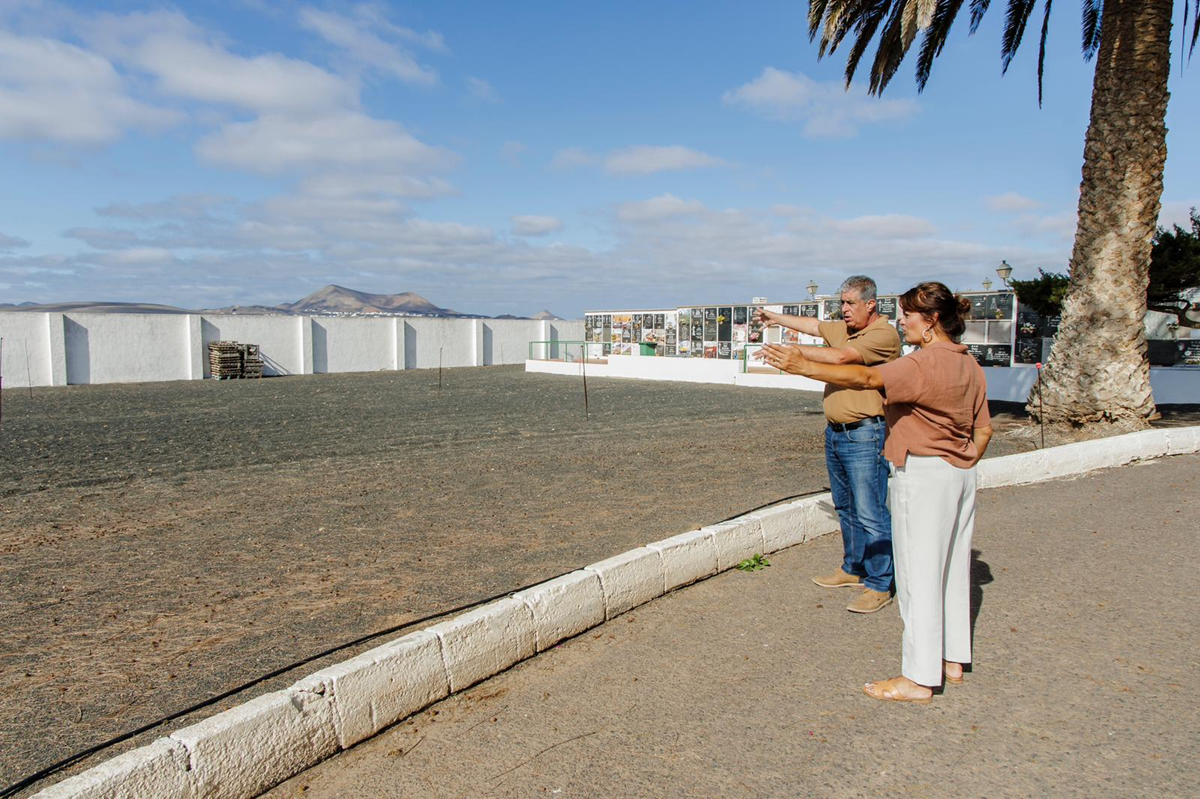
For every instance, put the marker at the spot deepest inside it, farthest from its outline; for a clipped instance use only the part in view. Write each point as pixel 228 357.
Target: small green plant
pixel 754 564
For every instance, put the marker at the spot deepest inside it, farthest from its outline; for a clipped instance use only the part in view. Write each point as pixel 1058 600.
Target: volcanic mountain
pixel 339 299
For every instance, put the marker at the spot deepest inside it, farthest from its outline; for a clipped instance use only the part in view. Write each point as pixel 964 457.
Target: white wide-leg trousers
pixel 933 516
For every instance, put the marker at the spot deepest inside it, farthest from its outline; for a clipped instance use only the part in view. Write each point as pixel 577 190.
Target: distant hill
pixel 546 316
pixel 330 300
pixel 339 299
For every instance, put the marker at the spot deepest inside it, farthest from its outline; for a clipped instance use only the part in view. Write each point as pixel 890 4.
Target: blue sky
pixel 508 157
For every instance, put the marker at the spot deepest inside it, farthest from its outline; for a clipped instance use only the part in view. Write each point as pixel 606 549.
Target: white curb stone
pixel 245 750
pixel 486 641
pixel 564 606
pixel 794 523
pixel 1183 440
pixel 737 540
pixel 378 688
pixel 686 558
pixel 630 579
pixel 158 769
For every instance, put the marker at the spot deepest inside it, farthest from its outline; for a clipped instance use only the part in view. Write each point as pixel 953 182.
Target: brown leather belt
pixel 841 427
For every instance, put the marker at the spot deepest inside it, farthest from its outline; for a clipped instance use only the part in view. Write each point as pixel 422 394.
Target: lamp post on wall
pixel 1004 271
pixel 987 284
pixel 812 289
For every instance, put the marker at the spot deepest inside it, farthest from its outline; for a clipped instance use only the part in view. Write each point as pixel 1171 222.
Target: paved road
pixel 747 684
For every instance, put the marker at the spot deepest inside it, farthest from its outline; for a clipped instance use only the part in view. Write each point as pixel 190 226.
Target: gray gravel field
pixel 164 542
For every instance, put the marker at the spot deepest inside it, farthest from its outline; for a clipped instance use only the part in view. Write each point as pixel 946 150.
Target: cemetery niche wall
pixel 995 334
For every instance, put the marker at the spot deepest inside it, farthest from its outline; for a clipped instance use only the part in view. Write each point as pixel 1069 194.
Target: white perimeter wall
pixel 80 348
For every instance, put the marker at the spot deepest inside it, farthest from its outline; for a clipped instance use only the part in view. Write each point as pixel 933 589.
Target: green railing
pixel 559 350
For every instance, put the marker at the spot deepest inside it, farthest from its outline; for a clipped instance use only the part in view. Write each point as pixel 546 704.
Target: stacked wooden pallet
pixel 252 362
pixel 224 359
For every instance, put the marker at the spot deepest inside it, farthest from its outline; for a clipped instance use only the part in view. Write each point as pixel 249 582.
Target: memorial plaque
pixel 724 350
pixel 710 313
pixel 791 310
pixel 1189 352
pixel 658 320
pixel 888 307
pixel 739 315
pixel 725 324
pixel 710 329
pixel 991 354
pixel 833 309
pixel 810 309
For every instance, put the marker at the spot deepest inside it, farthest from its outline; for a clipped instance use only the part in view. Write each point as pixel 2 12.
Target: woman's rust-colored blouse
pixel 935 398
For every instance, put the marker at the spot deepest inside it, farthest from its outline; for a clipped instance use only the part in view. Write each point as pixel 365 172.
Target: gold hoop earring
pixel 927 335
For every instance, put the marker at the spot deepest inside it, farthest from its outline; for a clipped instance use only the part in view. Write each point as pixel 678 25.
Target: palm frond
pixel 935 38
pixel 890 51
pixel 865 31
pixel 816 12
pixel 978 9
pixel 1091 27
pixel 1195 27
pixel 1014 29
pixel 1042 49
pixel 925 12
pixel 908 24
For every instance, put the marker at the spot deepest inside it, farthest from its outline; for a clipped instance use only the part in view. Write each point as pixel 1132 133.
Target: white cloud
pixel 886 226
pixel 356 35
pixel 481 90
pixel 103 238
pixel 51 90
pixel 536 225
pixel 11 242
pixel 266 83
pixel 274 144
pixel 657 208
pixel 571 157
pixel 181 206
pixel 371 183
pixel 1010 203
pixel 646 160
pixel 828 110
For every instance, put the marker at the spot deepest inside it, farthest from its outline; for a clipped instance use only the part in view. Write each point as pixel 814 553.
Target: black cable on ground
pixel 25 782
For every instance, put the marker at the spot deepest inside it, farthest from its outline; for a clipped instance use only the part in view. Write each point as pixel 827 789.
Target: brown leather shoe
pixel 838 579
pixel 870 601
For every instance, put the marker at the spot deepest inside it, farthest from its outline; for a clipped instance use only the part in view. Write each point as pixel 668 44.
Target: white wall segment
pixel 630 579
pixel 280 340
pixel 245 750
pixel 686 558
pixel 26 351
pixel 378 688
pixel 159 769
pixel 564 606
pixel 486 641
pixel 80 348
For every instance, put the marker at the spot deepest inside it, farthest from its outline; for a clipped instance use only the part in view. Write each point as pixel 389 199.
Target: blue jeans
pixel 858 477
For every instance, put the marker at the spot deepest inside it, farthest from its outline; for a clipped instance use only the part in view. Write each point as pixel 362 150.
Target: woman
pixel 938 429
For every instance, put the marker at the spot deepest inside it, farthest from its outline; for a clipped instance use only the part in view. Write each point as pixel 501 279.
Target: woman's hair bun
pixel 964 306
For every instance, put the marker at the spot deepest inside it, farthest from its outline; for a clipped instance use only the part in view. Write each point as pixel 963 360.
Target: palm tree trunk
pixel 1098 373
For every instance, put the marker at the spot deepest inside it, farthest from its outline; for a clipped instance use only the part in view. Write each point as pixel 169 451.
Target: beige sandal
pixel 887 691
pixel 946 673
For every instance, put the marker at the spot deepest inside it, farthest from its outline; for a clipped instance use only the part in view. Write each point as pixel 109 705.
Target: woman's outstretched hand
pixel 784 358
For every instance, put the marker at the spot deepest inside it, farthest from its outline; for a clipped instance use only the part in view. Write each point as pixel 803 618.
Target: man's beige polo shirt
pixel 877 343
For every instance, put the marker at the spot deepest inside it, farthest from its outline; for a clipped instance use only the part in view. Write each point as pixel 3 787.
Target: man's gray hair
pixel 864 285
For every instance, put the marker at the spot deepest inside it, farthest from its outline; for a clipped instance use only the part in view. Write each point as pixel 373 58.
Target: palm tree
pixel 1098 373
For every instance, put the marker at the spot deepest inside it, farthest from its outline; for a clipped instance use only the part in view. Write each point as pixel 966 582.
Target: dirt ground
pixel 164 542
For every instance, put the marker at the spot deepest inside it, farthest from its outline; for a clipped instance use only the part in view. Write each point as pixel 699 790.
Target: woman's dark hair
pixel 932 298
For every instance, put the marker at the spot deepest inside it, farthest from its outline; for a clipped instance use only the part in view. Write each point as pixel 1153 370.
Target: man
pixel 854 438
